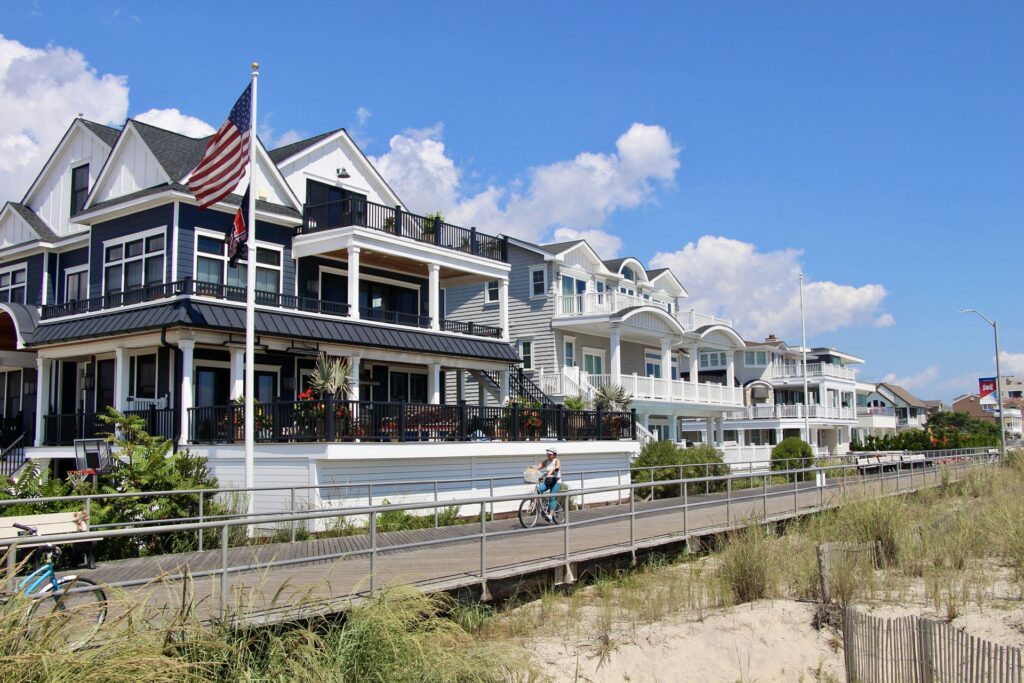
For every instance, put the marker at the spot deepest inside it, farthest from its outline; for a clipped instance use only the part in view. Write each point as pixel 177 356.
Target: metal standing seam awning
pixel 275 324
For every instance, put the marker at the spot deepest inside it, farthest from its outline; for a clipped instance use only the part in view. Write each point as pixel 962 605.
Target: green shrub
pixel 669 462
pixel 792 453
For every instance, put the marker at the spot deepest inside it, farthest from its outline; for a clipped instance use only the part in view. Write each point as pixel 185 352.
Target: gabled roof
pixel 177 154
pixel 286 151
pixel 105 133
pixel 556 248
pixel 904 395
pixel 231 200
pixel 35 222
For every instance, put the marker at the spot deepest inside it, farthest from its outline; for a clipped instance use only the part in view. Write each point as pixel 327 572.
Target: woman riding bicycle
pixel 551 468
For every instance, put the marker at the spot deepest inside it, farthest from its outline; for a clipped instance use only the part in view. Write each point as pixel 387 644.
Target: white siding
pixel 322 165
pixel 132 168
pixel 52 197
pixel 14 230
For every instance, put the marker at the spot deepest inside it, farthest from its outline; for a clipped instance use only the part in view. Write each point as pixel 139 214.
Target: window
pixel 593 361
pixel 133 263
pixel 628 273
pixel 491 293
pixel 526 351
pixel 569 352
pixel 538 282
pixel 600 293
pixel 12 285
pixel 213 266
pixel 652 364
pixel 142 376
pixel 713 359
pixel 76 285
pixel 79 188
pixel 755 359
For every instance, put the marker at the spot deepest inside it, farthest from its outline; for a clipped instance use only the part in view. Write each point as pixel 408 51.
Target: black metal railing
pixel 339 421
pixel 62 429
pixel 470 327
pixel 190 287
pixel 13 457
pixel 393 220
pixel 524 387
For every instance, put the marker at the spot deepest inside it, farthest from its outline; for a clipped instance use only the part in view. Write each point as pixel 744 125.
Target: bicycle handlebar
pixel 32 531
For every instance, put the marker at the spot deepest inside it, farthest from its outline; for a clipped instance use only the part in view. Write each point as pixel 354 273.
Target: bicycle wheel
pixel 529 511
pixel 72 612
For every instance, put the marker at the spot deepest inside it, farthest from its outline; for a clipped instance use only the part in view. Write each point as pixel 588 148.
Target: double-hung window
pixel 538 282
pixel 79 188
pixel 755 359
pixel 491 292
pixel 134 263
pixel 526 351
pixel 76 285
pixel 710 360
pixel 142 376
pixel 12 285
pixel 214 269
pixel 652 365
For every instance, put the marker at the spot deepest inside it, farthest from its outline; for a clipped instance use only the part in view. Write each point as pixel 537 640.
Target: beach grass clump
pixel 749 564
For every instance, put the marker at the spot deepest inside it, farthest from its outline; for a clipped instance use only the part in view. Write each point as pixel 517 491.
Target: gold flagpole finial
pixel 255 66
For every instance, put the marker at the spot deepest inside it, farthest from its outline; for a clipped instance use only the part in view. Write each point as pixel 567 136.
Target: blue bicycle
pixel 73 606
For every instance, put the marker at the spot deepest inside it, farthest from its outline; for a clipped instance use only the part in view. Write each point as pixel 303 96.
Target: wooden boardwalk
pixel 326 575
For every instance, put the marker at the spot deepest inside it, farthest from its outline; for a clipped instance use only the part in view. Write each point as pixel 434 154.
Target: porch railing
pixel 356 211
pixel 340 421
pixel 61 429
pixel 779 371
pixel 658 389
pixel 191 287
pixel 781 412
pixel 610 301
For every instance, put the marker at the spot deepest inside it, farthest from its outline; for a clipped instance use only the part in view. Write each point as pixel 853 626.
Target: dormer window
pixel 79 187
pixel 628 273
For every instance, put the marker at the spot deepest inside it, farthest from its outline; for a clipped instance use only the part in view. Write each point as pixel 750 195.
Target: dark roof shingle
pixel 177 154
pixel 35 222
pixel 106 133
pixel 281 153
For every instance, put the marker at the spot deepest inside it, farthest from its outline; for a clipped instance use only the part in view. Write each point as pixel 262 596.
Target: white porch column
pixel 730 370
pixel 186 347
pixel 615 362
pixel 673 428
pixel 694 354
pixel 666 365
pixel 43 366
pixel 709 433
pixel 741 437
pixel 120 379
pixel 237 373
pixel 434 295
pixel 719 431
pixel 353 365
pixel 503 307
pixel 778 436
pixel 434 384
pixel 506 389
pixel 353 283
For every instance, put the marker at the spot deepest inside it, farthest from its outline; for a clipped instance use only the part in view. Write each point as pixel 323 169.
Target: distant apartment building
pixel 1012 414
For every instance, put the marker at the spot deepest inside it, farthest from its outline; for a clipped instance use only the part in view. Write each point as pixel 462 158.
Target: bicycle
pixel 74 605
pixel 530 509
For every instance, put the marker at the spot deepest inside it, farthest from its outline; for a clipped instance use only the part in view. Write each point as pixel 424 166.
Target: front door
pixel 213 387
pixel 266 386
pixel 104 384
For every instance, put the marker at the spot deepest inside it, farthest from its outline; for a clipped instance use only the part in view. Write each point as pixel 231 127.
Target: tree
pixel 668 462
pixel 792 453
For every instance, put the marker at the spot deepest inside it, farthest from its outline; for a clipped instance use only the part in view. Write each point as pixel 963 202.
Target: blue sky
pixel 879 147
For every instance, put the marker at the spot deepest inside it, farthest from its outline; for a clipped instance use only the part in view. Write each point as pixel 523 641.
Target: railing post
pixel 373 553
pixel 632 424
pixel 152 418
pixel 515 422
pixel 201 497
pixel 275 422
pixel 462 420
pixel 483 542
pixel 224 572
pixel 504 248
pixel 728 501
pixel 398 219
pixel 329 416
pixel 600 429
pixel 686 510
pixel 560 418
pixel 292 508
pixel 401 422
pixel 473 248
pixel 12 567
pixel 436 521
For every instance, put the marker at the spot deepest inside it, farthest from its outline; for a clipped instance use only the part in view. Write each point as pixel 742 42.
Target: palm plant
pixel 612 397
pixel 331 377
pixel 575 403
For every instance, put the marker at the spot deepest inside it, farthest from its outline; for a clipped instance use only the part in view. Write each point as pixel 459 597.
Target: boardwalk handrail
pixel 681 529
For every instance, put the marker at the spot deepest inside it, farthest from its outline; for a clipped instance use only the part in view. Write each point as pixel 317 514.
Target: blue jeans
pixel 553 485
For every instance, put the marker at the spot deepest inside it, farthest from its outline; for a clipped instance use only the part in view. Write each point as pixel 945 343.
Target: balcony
pixel 606 303
pixel 353 421
pixel 813 370
pixel 787 412
pixel 189 288
pixel 672 390
pixel 356 211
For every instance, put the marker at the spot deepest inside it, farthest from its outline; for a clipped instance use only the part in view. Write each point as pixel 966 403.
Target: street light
pixel 999 378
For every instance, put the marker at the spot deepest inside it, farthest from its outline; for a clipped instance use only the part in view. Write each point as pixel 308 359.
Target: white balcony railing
pixel 783 412
pixel 878 411
pixel 813 370
pixel 606 303
pixel 674 390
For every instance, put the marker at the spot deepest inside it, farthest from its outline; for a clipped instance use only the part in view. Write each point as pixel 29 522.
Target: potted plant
pixel 332 379
pixel 431 222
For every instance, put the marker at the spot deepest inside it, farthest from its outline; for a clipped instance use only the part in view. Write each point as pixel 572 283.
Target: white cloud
pixel 41 91
pixel 1011 363
pixel 173 119
pixel 363 115
pixel 288 137
pixel 922 379
pixel 759 291
pixel 578 194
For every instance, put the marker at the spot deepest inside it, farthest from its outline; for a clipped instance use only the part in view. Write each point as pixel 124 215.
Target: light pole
pixel 803 346
pixel 999 378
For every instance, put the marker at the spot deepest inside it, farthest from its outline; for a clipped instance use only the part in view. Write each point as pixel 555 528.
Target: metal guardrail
pixel 632 513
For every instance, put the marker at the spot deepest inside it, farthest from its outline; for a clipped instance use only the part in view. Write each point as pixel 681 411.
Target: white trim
pixel 73 271
pixel 575 360
pixel 24 284
pixel 46 279
pixel 544 291
pixel 598 353
pixel 174 243
pixel 145 256
pixel 219 236
pixel 374 278
pixel 487 292
pixel 533 351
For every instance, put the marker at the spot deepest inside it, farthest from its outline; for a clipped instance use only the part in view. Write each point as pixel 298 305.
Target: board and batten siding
pixel 51 199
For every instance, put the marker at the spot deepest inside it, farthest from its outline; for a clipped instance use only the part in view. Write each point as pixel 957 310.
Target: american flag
pixel 226 156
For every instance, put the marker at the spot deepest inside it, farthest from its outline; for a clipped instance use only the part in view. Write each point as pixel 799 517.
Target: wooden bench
pixel 49 524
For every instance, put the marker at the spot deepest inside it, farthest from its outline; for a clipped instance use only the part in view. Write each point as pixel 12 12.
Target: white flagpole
pixel 250 308
pixel 803 346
